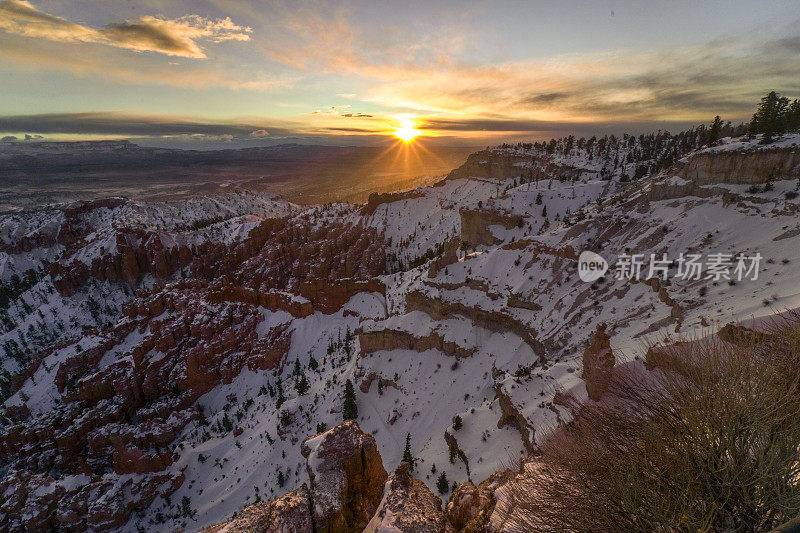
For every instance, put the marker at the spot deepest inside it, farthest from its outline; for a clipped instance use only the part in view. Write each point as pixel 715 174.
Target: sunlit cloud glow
pixel 352 69
pixel 174 37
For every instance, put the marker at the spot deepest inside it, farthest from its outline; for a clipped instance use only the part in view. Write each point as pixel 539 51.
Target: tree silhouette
pixel 349 409
pixel 769 118
pixel 407 457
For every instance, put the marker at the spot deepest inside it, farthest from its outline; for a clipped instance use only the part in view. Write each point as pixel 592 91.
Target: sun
pixel 406 132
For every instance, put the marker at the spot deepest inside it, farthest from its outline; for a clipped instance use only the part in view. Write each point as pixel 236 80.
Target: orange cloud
pixel 174 37
pixel 139 70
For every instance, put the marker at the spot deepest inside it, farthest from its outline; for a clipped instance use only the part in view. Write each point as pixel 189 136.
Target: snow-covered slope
pixel 455 302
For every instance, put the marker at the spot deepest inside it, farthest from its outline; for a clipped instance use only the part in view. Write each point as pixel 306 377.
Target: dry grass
pixel 709 445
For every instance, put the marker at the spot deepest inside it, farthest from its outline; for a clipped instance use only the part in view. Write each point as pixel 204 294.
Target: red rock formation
pixel 448 257
pixel 376 199
pixel 475 225
pixel 291 513
pixel 391 339
pixel 347 478
pixel 132 460
pixel 455 450
pixel 37 503
pixel 408 506
pixel 598 363
pixel 330 296
pixel 350 492
pixel 470 507
pixel 184 347
pixel 366 382
pixel 438 309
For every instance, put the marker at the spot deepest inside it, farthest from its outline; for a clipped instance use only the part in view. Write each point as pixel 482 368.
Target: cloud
pixel 330 110
pixel 115 124
pixel 442 73
pixel 122 124
pixel 106 63
pixel 174 37
pixel 685 84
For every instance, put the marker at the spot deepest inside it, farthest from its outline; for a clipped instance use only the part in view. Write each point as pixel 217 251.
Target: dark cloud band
pixel 119 124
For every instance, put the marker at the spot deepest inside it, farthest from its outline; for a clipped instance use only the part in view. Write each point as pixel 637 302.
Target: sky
pixel 211 72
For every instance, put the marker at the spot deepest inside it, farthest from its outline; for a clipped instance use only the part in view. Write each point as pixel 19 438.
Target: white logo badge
pixel 591 266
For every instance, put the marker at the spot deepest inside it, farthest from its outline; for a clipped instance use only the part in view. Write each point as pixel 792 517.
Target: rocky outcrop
pixel 511 416
pixel 489 164
pixel 448 257
pixel 408 506
pixel 456 451
pixel 135 252
pixel 392 339
pixel 666 191
pixel 741 335
pixel 475 225
pixel 347 478
pixel 291 513
pixel 598 363
pixel 742 166
pixel 676 311
pixel 349 491
pixel 366 382
pixel 119 417
pixel 38 503
pixel 502 165
pixel 376 199
pixel 276 255
pixel 298 307
pixel 329 296
pixel 321 262
pixel 470 507
pixel 496 321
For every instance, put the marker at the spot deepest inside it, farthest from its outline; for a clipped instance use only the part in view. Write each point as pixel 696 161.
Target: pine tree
pixel 407 456
pixel 301 384
pixel 769 118
pixel 457 422
pixel 714 131
pixel 544 212
pixel 442 485
pixel 281 398
pixel 539 199
pixel 349 408
pixel 793 116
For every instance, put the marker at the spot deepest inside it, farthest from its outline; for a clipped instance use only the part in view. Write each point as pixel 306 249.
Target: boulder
pixel 469 508
pixel 347 478
pixel 291 513
pixel 408 506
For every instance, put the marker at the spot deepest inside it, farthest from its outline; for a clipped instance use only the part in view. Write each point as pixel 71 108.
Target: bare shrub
pixel 709 444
